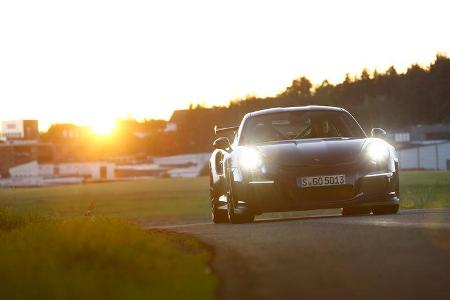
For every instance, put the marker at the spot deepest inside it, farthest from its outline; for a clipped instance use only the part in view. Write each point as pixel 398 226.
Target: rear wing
pixel 218 130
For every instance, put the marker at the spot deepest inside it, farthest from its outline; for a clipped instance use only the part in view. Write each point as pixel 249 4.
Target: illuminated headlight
pixel 377 152
pixel 250 159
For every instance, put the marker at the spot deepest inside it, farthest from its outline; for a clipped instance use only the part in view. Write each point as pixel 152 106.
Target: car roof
pixel 295 108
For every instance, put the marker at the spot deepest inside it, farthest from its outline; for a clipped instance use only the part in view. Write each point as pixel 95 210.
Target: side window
pixel 351 126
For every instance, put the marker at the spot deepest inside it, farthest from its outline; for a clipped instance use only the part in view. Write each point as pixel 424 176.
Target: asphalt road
pixel 403 256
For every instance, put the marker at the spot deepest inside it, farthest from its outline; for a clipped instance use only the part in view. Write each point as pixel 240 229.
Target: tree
pixel 347 79
pixel 323 92
pixel 391 71
pixel 300 87
pixel 365 74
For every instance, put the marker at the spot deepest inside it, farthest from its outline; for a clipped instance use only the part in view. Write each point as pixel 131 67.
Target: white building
pixel 30 169
pixel 34 174
pixel 427 156
pixel 20 130
pixel 185 165
pixel 89 170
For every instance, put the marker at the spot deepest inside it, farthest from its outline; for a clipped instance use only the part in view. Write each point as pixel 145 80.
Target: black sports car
pixel 301 158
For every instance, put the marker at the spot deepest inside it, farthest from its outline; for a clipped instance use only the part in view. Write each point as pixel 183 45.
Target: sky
pixel 90 62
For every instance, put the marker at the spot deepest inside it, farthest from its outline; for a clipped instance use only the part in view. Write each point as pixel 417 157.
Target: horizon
pixel 90 63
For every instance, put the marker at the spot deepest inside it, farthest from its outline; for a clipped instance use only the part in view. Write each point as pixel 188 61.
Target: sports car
pixel 301 158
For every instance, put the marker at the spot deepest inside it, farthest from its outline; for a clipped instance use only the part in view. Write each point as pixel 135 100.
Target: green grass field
pixel 97 258
pixel 425 189
pixel 77 242
pixel 82 241
pixel 158 201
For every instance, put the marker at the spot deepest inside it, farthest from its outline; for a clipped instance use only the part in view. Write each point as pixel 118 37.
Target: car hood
pixel 313 151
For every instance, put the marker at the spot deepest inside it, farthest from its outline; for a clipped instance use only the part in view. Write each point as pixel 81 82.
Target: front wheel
pixel 217 215
pixel 234 215
pixel 385 209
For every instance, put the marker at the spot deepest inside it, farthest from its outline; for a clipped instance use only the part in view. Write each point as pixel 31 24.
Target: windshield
pixel 300 125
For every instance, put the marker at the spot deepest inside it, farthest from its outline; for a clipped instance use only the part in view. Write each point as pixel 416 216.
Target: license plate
pixel 320 181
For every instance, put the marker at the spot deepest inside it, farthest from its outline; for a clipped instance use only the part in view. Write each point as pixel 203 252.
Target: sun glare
pixel 103 127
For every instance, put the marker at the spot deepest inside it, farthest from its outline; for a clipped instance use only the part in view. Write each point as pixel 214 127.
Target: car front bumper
pixel 281 193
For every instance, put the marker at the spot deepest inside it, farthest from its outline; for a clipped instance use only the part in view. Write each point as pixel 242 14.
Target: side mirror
pixel 378 133
pixel 222 143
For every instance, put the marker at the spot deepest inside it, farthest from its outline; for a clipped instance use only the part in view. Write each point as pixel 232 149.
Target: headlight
pixel 377 152
pixel 250 159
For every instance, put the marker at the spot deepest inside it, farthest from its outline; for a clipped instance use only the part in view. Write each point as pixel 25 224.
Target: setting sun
pixel 103 126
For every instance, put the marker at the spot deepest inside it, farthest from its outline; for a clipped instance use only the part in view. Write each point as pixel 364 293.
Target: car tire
pixel 397 181
pixel 217 215
pixel 233 216
pixel 355 211
pixel 238 218
pixel 385 209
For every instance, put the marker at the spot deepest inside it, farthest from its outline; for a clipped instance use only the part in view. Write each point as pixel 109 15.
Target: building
pixel 421 133
pixel 432 156
pixel 186 165
pixel 178 117
pixel 423 147
pixel 20 130
pixel 13 154
pixel 88 170
pixel 35 174
pixel 65 133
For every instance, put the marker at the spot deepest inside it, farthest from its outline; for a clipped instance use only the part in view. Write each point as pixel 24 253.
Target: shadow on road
pixel 287 219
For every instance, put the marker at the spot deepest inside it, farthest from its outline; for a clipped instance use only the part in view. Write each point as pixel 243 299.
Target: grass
pixel 425 189
pixel 97 258
pixel 77 242
pixel 158 201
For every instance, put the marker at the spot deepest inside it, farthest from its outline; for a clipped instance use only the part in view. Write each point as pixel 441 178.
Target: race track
pixel 403 256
